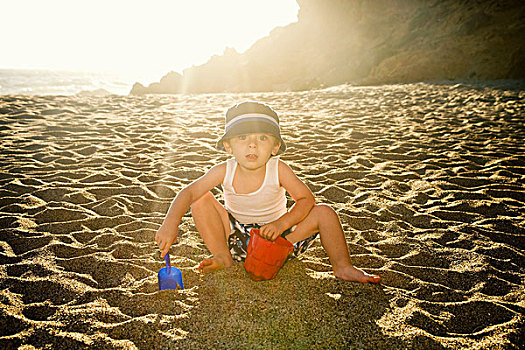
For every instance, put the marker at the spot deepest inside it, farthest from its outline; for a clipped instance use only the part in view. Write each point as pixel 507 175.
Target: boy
pixel 254 184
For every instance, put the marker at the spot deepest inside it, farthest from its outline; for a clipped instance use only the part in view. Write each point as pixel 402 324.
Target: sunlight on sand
pixel 427 180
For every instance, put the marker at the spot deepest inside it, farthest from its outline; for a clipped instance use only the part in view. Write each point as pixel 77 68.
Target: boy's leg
pixel 324 220
pixel 211 220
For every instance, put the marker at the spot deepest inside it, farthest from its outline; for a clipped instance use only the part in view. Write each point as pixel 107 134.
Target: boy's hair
pixel 251 117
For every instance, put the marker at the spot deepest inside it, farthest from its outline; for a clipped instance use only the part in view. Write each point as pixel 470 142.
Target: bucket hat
pixel 251 117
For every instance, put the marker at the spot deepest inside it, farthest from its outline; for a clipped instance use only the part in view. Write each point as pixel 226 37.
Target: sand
pixel 428 180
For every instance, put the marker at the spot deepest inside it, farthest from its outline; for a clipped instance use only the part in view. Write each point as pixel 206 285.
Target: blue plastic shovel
pixel 169 276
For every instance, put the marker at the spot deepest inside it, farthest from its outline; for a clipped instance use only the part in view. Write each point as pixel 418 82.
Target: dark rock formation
pixel 369 42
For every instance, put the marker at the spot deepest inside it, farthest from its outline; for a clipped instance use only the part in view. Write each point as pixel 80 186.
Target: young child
pixel 254 182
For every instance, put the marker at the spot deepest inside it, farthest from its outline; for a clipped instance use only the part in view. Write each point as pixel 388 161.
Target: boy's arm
pixel 304 202
pixel 167 233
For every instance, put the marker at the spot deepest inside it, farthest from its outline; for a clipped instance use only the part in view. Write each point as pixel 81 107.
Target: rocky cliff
pixel 369 42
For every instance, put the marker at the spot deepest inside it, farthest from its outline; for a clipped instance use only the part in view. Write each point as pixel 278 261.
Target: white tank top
pixel 265 205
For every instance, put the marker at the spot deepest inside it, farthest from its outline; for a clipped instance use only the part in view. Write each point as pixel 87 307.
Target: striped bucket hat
pixel 251 117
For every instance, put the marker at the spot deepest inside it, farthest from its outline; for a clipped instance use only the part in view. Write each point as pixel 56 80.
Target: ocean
pixel 59 82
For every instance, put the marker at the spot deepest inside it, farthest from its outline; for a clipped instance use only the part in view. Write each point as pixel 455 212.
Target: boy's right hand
pixel 165 238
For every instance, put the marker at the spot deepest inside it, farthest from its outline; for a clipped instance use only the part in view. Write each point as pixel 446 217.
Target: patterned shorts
pixel 240 236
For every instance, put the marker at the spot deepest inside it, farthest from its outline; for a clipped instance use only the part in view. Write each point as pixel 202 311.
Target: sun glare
pixel 143 39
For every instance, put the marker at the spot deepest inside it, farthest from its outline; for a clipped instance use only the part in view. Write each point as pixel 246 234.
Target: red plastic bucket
pixel 265 258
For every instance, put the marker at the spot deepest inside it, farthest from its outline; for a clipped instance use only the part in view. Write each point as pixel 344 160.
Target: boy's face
pixel 252 150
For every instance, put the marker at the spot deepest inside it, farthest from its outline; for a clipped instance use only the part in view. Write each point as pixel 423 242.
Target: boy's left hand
pixel 271 231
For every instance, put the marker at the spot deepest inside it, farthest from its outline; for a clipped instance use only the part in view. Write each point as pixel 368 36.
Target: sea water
pixel 59 82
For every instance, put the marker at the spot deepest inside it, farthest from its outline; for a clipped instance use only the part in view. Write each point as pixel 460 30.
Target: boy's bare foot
pixel 356 275
pixel 215 263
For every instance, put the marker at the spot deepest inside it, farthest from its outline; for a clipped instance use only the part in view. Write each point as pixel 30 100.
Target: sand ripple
pixel 428 181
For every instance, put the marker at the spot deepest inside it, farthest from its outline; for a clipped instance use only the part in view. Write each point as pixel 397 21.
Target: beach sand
pixel 428 180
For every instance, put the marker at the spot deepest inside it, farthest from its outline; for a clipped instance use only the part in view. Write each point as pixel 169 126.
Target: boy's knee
pixel 201 202
pixel 323 210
